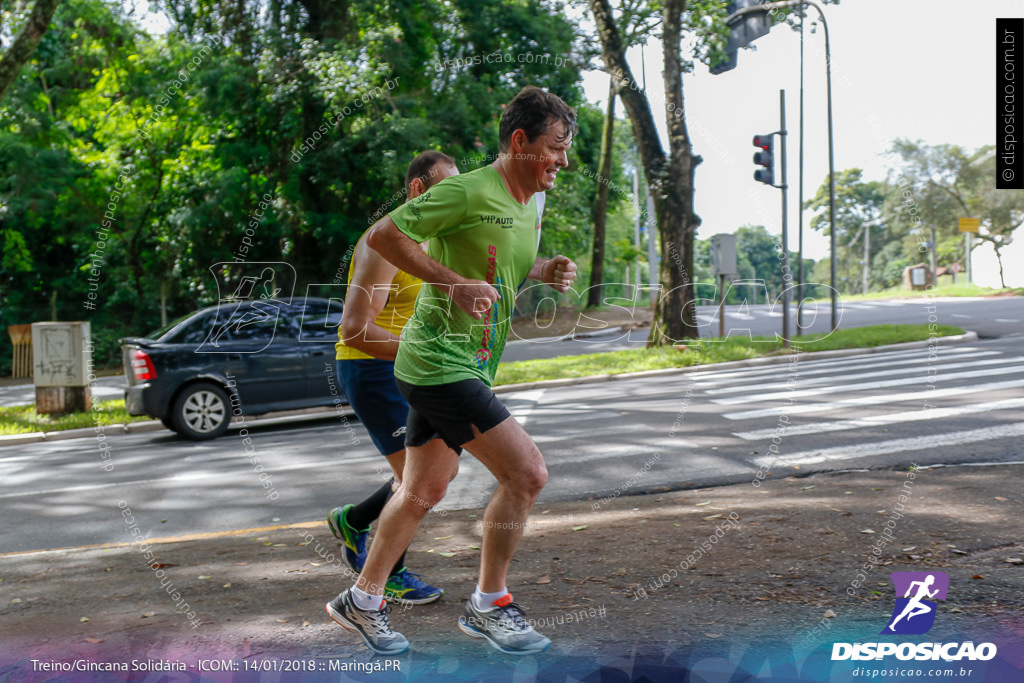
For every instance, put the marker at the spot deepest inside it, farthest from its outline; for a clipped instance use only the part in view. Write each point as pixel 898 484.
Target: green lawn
pixel 25 419
pixel 707 352
pixel 941 290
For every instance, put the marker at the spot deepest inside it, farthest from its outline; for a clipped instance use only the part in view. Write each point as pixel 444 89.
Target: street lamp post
pixel 866 226
pixel 766 7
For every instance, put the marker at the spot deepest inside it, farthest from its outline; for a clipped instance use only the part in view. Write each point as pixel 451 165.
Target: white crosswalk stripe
pixel 863 386
pixel 832 364
pixel 917 443
pixel 783 370
pixel 806 408
pixel 888 372
pixel 887 419
pixel 871 389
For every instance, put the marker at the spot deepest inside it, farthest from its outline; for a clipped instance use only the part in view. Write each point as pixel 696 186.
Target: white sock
pixel 485 601
pixel 366 601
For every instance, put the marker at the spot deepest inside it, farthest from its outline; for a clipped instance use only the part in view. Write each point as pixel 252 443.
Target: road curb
pixel 282 417
pixel 569 336
pixel 964 338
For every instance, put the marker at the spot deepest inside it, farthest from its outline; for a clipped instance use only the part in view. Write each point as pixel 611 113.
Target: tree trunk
pixel 676 315
pixel 25 43
pixel 594 297
pixel 999 260
pixel 669 180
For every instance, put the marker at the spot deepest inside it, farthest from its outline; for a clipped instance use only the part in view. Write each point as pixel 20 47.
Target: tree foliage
pixel 294 121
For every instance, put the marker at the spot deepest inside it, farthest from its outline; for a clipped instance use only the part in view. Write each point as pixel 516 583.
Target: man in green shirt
pixel 483 228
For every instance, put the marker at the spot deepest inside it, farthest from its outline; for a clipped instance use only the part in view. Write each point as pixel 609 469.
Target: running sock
pixel 363 514
pixel 485 601
pixel 400 565
pixel 365 601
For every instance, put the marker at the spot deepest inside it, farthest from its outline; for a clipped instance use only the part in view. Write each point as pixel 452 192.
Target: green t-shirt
pixel 478 230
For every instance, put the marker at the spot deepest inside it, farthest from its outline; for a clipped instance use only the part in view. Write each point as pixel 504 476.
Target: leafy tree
pixel 940 184
pixel 670 173
pixel 247 128
pixel 1000 212
pixel 858 202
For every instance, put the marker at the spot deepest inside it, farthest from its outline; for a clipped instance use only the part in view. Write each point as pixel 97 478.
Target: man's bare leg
pixel 516 462
pixel 397 462
pixel 426 474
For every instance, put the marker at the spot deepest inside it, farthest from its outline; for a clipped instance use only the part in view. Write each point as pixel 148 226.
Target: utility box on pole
pixel 723 264
pixel 61 367
pixel 723 254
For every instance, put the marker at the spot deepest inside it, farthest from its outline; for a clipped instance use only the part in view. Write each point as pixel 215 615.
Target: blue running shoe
pixel 353 540
pixel 406 588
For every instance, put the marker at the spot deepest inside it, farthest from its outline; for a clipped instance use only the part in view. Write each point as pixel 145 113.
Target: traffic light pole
pixel 764 8
pixel 785 216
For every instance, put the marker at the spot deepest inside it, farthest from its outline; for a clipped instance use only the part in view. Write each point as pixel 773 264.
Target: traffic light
pixel 742 31
pixel 765 158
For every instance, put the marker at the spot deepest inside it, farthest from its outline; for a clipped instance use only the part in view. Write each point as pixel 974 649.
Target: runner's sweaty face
pixel 545 156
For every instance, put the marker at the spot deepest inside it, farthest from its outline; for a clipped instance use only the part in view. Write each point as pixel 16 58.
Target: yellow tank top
pixel 397 311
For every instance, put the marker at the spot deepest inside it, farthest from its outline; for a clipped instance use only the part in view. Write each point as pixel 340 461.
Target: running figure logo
pixel 914 614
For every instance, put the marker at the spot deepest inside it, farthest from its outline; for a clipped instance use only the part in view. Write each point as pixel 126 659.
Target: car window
pixel 194 331
pixel 319 320
pixel 256 322
pixel 157 334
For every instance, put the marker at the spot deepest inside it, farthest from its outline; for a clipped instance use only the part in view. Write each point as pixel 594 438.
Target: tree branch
pixel 25 43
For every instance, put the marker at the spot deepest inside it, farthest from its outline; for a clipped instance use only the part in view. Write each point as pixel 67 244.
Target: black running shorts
pixel 450 411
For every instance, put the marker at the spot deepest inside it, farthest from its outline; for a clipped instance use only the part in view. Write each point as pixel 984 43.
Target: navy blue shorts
pixel 370 387
pixel 450 411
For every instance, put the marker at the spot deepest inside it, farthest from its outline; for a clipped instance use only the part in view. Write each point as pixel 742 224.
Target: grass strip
pixel 709 351
pixel 25 420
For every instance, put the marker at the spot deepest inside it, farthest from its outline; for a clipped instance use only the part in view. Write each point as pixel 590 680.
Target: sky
pixel 917 69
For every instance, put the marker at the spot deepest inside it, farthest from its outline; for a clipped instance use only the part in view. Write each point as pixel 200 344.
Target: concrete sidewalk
pixel 658 584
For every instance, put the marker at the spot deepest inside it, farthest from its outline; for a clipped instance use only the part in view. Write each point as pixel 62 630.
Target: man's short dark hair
pixel 422 167
pixel 534 110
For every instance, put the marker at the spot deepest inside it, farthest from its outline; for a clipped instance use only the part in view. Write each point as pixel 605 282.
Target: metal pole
pixel 831 139
pixel 867 254
pixel 639 217
pixel 786 272
pixel 967 246
pixel 934 261
pixel 831 174
pixel 652 251
pixel 721 305
pixel 800 194
pixel 636 245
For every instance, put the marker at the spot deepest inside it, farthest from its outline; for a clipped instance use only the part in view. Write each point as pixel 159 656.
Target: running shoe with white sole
pixel 406 588
pixel 352 539
pixel 371 624
pixel 504 627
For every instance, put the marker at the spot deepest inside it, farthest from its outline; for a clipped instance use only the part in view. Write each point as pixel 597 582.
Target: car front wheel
pixel 201 412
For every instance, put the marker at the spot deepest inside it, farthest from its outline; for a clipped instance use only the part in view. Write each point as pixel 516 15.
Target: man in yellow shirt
pixel 380 300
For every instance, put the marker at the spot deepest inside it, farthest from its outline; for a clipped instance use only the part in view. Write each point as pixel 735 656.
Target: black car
pixel 235 358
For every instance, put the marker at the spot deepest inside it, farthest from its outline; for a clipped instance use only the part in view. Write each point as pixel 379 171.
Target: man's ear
pixel 416 188
pixel 518 140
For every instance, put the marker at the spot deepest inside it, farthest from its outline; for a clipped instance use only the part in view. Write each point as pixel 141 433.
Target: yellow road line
pixel 175 539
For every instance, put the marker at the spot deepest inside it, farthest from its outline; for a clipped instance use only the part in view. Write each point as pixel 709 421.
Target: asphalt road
pixel 990 317
pixel 961 404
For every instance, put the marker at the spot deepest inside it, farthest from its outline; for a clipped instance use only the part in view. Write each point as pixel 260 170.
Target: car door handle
pixel 319 353
pixel 234 356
